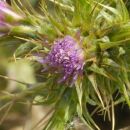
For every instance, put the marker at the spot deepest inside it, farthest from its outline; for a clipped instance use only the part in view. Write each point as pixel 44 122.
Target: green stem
pixel 7 78
pixel 28 92
pixel 66 7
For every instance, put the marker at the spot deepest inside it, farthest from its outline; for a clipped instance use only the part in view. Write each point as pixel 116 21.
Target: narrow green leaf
pixel 92 79
pixel 24 49
pixel 101 71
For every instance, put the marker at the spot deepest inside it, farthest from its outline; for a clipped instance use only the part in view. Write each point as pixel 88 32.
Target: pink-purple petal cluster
pixel 7 13
pixel 67 58
pixel 2 5
pixel 5 9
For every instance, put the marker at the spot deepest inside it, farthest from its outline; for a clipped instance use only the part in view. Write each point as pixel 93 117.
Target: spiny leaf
pixel 63 6
pixel 110 62
pixel 79 90
pixel 123 10
pixel 124 91
pixel 92 79
pixel 100 71
pixel 24 49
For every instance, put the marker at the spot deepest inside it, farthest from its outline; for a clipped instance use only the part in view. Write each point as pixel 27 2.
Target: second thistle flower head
pixel 67 59
pixel 6 10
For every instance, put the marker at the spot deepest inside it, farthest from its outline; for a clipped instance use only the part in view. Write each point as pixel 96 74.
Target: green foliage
pixel 103 30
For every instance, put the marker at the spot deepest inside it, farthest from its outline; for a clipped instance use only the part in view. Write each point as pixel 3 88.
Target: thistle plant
pixel 78 54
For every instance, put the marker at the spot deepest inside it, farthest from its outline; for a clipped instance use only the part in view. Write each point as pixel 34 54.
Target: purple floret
pixel 5 9
pixel 67 58
pixel 2 5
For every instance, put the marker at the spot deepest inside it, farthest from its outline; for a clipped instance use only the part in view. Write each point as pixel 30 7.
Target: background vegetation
pixel 31 99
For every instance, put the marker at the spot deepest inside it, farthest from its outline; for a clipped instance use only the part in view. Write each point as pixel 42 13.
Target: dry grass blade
pixel 8 78
pixel 43 120
pixel 94 84
pixel 6 105
pixel 6 113
pixel 113 116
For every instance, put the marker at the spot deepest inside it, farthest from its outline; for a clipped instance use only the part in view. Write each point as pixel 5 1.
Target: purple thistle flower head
pixel 67 59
